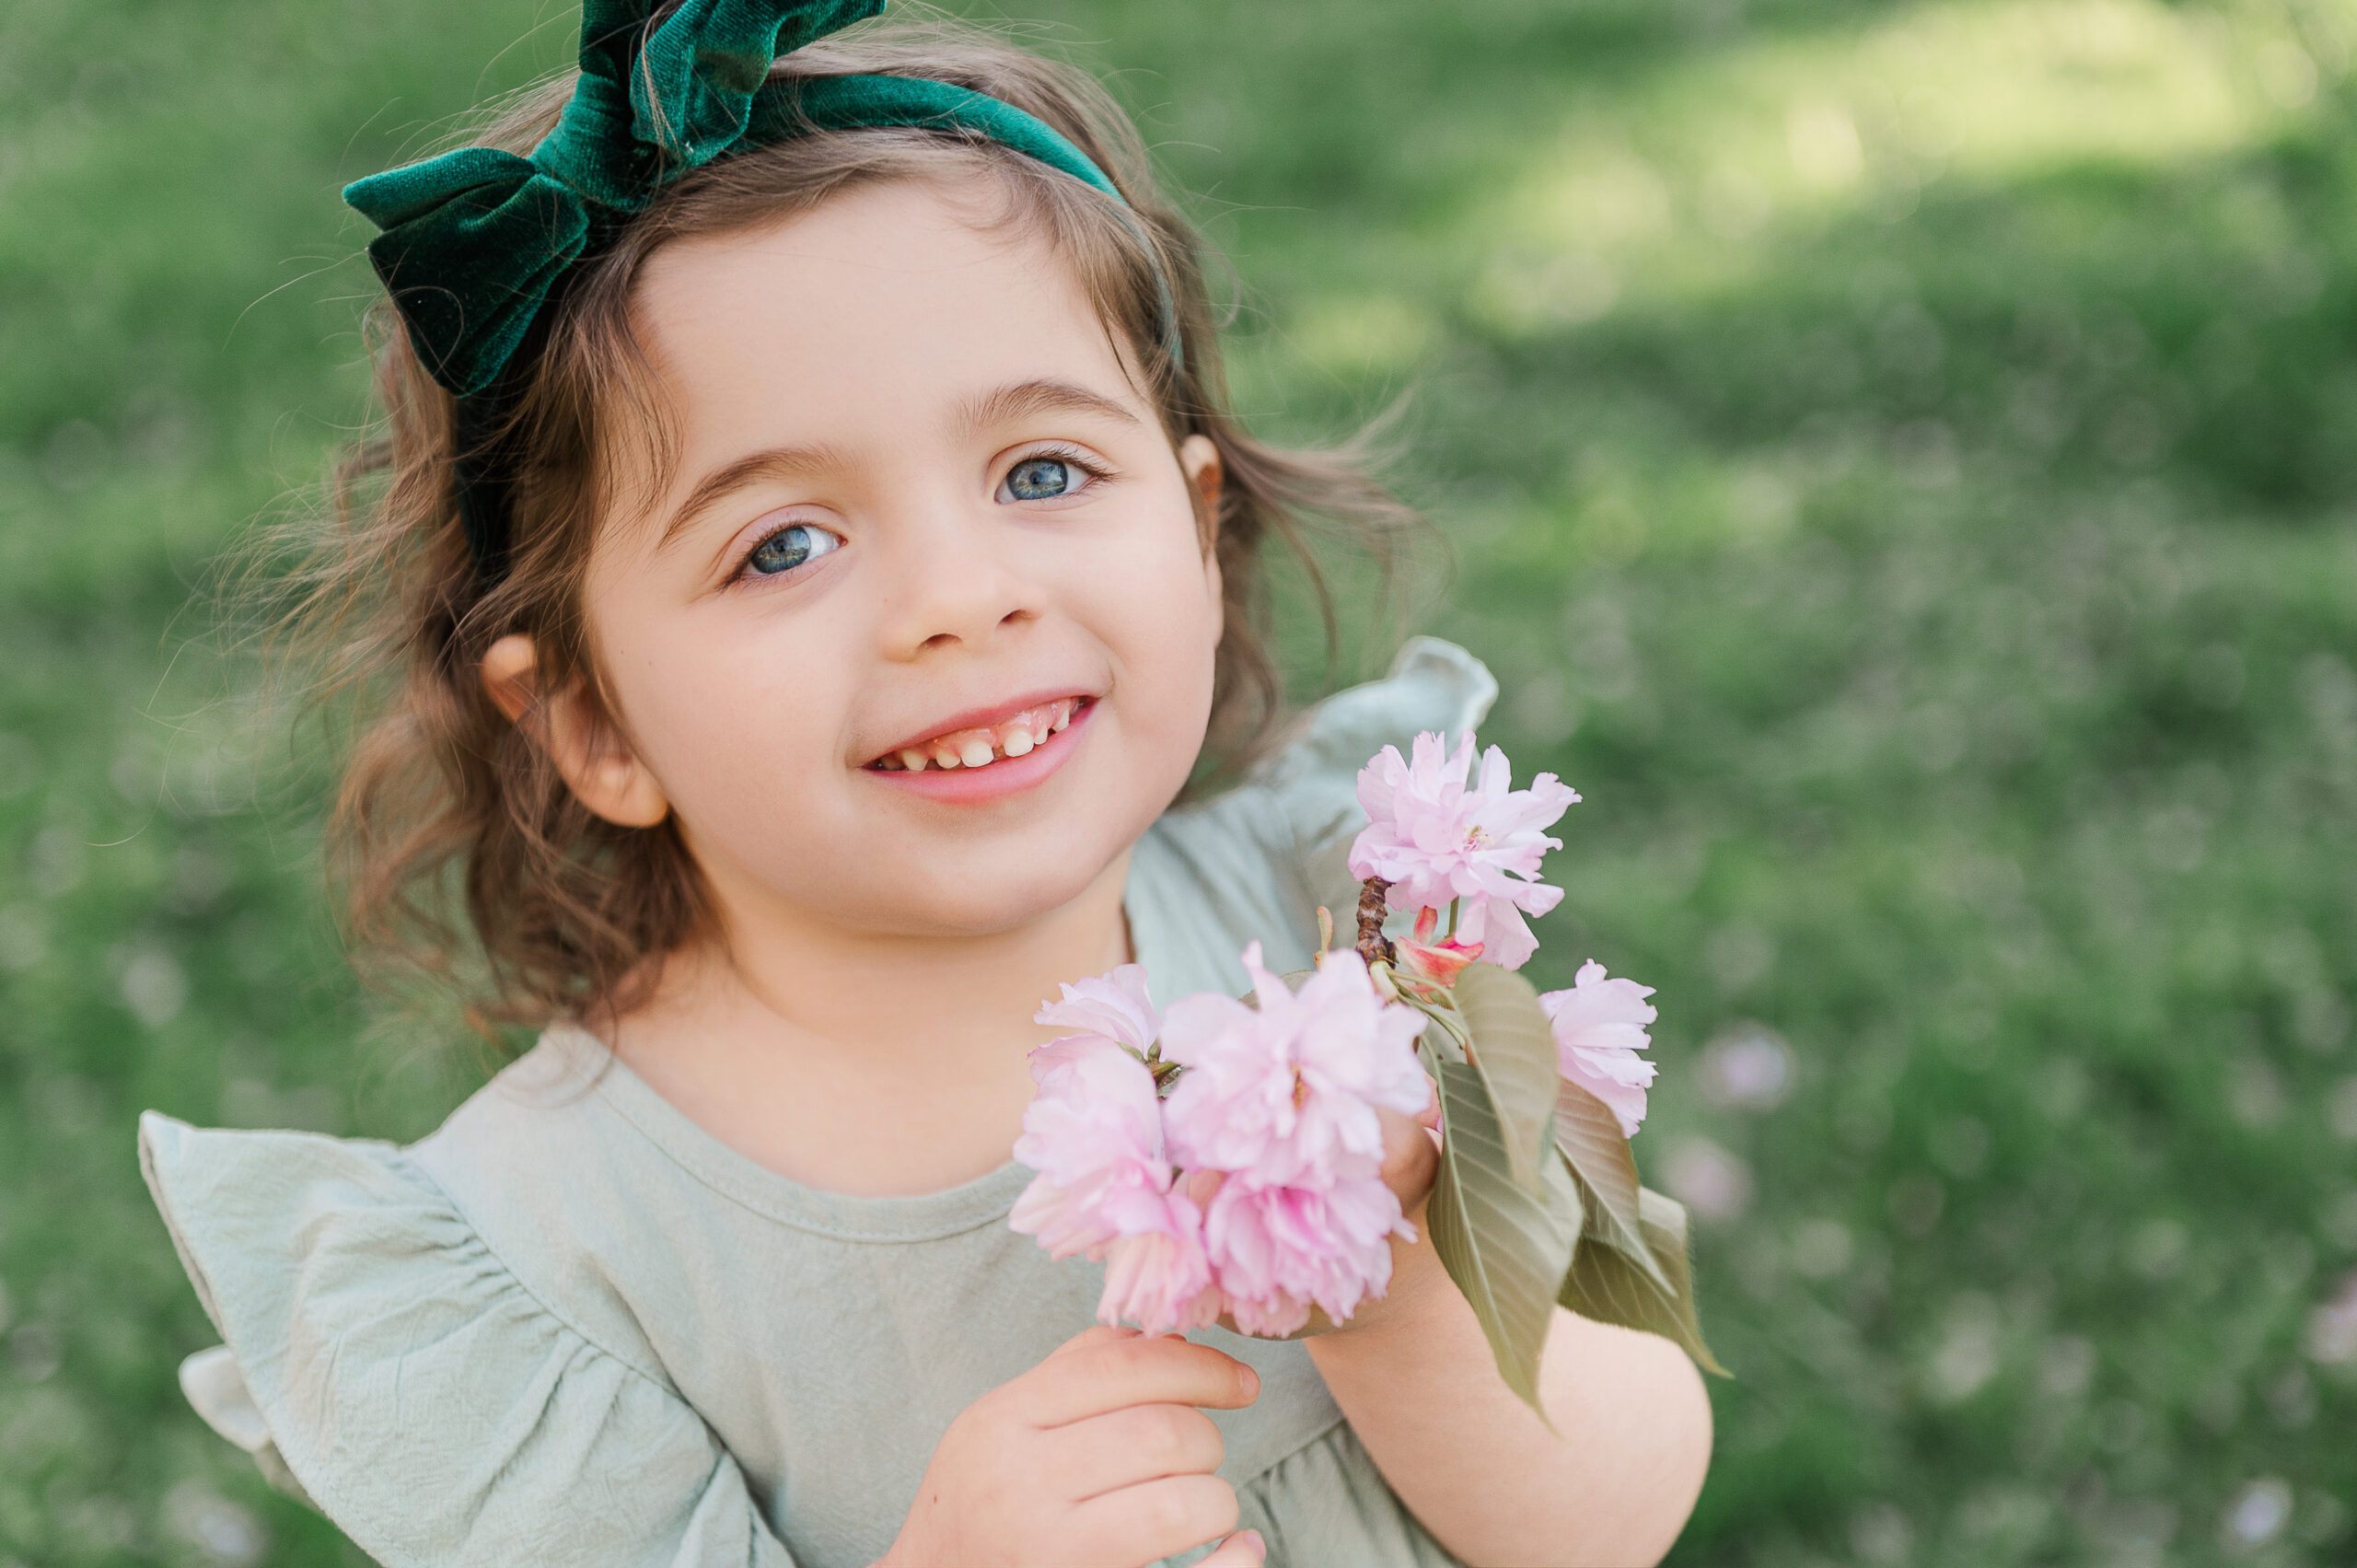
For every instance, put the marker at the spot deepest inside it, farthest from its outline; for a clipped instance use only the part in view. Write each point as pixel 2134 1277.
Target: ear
pixel 1199 458
pixel 1206 478
pixel 594 757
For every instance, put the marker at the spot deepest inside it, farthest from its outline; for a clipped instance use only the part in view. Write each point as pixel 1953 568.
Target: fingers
pixel 1410 1157
pixel 1245 1548
pixel 1095 1334
pixel 1123 1447
pixel 1111 1369
pixel 1154 1519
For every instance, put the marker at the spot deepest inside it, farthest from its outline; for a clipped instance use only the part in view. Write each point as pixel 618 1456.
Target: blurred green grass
pixel 1898 456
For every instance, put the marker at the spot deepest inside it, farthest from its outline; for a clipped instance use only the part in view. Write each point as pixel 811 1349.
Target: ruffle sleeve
pixel 1314 780
pixel 433 1406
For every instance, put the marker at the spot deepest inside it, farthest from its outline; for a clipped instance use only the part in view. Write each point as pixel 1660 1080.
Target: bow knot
pixel 475 240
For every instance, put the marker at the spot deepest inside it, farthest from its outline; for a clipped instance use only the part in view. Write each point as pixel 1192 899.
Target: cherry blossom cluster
pixel 1445 841
pixel 1254 1189
pixel 1223 1159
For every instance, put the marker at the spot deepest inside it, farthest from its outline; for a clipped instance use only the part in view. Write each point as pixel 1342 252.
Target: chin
pixel 988 905
pixel 955 895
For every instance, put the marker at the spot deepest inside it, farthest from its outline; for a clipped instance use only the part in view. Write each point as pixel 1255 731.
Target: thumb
pixel 1244 1548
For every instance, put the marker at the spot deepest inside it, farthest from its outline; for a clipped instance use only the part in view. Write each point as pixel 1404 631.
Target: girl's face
pixel 918 636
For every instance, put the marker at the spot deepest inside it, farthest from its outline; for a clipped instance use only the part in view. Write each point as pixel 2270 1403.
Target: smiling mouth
pixel 1014 736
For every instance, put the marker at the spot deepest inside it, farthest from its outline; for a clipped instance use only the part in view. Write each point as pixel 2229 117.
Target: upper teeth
pixel 980 748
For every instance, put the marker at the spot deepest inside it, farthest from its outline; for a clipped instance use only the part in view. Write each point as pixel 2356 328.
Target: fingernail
pixel 1259 1546
pixel 1248 1380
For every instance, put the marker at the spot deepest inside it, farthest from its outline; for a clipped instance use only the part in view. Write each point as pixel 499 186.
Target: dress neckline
pixel 924 1217
pixel 846 1216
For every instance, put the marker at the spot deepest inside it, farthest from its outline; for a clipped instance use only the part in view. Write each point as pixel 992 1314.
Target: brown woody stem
pixel 1372 944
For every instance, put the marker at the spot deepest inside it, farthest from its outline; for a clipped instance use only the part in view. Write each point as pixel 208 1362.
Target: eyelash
pixel 1094 468
pixel 744 571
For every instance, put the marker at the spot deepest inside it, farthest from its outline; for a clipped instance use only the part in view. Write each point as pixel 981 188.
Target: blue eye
pixel 789 548
pixel 1039 479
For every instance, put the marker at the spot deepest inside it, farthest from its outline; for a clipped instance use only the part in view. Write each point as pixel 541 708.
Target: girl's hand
pixel 1410 1161
pixel 1098 1454
pixel 1412 1153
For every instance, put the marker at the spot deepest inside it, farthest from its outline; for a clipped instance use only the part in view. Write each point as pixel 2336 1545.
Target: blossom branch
pixel 1373 893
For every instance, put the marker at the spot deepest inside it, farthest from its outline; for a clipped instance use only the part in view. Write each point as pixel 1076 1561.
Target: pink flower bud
pixel 1439 962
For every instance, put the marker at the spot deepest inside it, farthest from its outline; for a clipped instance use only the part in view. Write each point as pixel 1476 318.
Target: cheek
pixel 1157 606
pixel 728 713
pixel 1156 594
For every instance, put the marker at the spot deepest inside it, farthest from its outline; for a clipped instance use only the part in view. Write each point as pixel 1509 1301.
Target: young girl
pixel 816 552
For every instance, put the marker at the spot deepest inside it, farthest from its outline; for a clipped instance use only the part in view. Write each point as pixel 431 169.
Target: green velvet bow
pixel 475 240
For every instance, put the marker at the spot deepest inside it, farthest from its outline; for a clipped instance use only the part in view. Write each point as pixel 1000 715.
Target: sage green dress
pixel 571 1326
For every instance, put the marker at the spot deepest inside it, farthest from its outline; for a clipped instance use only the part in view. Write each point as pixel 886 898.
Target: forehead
pixel 864 320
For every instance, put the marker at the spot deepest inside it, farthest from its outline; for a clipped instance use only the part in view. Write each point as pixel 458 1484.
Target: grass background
pixel 1898 456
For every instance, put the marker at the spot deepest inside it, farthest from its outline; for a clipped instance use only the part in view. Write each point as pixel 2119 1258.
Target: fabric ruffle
pixel 396 1332
pixel 1328 1504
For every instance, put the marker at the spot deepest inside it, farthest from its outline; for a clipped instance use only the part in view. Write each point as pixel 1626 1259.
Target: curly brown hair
pixel 458 851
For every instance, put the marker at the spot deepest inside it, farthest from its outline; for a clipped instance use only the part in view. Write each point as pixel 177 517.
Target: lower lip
pixel 992 781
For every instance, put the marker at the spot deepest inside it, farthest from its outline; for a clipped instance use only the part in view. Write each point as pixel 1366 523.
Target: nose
pixel 955 584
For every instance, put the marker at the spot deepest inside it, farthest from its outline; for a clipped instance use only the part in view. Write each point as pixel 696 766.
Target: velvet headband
pixel 476 241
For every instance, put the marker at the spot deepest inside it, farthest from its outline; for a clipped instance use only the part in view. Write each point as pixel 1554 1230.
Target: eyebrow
pixel 1027 398
pixel 774 462
pixel 1020 400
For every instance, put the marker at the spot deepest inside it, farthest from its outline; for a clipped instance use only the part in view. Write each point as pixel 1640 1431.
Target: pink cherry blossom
pixel 1436 839
pixel 1111 1007
pixel 1093 1133
pixel 1599 1027
pixel 1286 1095
pixel 1274 1251
pixel 1157 1276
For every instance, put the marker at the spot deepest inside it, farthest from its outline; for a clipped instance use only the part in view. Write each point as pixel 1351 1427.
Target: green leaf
pixel 1607 1285
pixel 1514 1052
pixel 1590 1136
pixel 1506 1248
